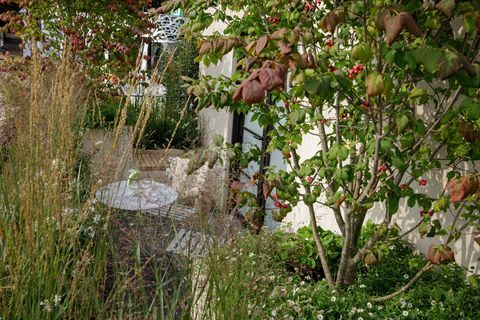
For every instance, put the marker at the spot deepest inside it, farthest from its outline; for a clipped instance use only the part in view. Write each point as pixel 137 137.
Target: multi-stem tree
pixel 391 90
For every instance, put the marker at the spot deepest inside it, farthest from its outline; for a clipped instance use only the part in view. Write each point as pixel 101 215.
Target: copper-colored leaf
pixel 278 34
pixel 284 48
pixel 410 24
pixel 227 46
pixel 237 95
pixel 440 254
pixel 253 92
pixel 371 259
pixel 380 21
pixel 393 26
pixel 261 44
pixel 205 48
pixel 329 22
pixel 267 188
pixel 462 187
pixel 270 79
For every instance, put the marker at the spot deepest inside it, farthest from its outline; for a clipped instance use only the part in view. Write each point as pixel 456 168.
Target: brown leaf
pixel 285 49
pixel 393 27
pixel 227 46
pixel 329 22
pixel 305 61
pixel 270 79
pixel 468 67
pixel 446 7
pixel 278 34
pixel 370 259
pixel 250 63
pixel 253 92
pixel 440 254
pixel 267 188
pixel 261 44
pixel 380 21
pixel 411 24
pixel 205 48
pixel 461 188
pixel 237 95
pixel 250 47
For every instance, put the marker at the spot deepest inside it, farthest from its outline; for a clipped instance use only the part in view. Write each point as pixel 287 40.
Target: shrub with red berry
pixel 362 80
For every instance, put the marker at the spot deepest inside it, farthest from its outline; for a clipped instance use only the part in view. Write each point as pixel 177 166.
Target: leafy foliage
pixel 380 83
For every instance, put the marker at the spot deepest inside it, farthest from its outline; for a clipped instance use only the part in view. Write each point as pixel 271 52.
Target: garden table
pixel 136 196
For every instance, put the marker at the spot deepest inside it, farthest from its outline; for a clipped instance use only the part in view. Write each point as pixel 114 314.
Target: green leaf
pixel 450 63
pixel 423 228
pixel 312 85
pixel 392 204
pixel 399 163
pixel 374 84
pixel 362 53
pixel 429 57
pixel 402 122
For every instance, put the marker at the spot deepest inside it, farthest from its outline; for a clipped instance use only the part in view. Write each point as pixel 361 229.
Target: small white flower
pixel 405 313
pixel 96 219
pixel 371 315
pixel 380 308
pixel 333 299
pixel 369 305
pixel 406 276
pixel 251 255
pixel 320 317
pixel 57 299
pixel 392 247
pixel 360 310
pixel 359 318
pixel 409 306
pixel 274 312
pixel 362 286
pixel 46 305
pixel 302 283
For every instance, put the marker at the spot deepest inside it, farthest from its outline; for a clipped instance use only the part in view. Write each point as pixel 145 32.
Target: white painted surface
pixel 136 196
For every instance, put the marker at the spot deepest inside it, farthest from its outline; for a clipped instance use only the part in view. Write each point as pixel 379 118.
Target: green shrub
pixel 251 280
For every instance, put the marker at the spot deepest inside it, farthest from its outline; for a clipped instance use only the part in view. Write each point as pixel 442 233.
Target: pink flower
pixel 422 182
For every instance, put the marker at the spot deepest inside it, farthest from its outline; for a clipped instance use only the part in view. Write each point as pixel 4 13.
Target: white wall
pixel 211 120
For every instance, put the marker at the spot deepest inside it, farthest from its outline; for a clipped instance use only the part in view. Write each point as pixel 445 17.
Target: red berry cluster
pixel 403 186
pixel 309 6
pixel 366 105
pixel 329 43
pixel 274 20
pixel 278 203
pixel 422 182
pixel 309 179
pixel 382 168
pixel 353 72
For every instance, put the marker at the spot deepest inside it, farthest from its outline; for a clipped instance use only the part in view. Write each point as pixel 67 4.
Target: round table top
pixel 141 195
